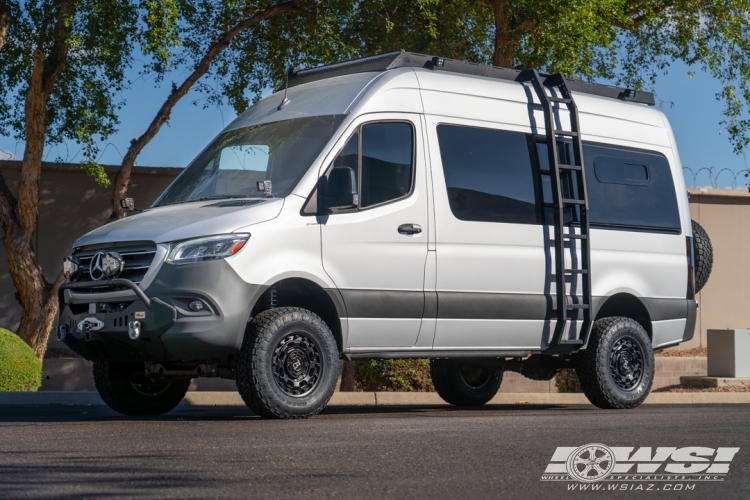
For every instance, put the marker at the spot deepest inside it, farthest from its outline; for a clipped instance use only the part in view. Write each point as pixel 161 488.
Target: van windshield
pixel 237 162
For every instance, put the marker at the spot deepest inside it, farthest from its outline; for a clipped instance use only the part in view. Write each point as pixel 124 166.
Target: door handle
pixel 409 229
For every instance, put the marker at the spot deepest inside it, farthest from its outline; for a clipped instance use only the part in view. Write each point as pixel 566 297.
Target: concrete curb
pixel 207 398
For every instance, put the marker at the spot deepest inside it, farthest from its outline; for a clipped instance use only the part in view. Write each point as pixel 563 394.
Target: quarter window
pixel 631 188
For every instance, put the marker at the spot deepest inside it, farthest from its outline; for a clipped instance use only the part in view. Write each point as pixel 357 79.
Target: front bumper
pixel 169 330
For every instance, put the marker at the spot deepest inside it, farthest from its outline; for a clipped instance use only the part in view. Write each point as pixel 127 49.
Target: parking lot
pixel 346 452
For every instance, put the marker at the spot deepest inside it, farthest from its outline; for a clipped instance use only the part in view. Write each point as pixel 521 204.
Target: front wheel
pixel 617 368
pixel 125 389
pixel 461 384
pixel 288 364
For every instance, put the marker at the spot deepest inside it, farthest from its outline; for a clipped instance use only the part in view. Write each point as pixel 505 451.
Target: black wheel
pixel 126 390
pixel 617 368
pixel 462 384
pixel 704 256
pixel 288 365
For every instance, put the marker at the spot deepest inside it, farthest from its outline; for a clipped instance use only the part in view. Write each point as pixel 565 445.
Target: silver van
pixel 400 206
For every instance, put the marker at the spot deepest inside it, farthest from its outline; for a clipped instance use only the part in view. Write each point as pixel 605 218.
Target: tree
pixel 237 50
pixel 62 66
pixel 208 30
pixel 631 42
pixel 5 17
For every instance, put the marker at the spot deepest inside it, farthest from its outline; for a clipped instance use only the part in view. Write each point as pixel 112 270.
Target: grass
pixel 20 369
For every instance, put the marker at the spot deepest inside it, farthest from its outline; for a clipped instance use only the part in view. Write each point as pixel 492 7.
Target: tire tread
pixel 256 345
pixel 592 365
pixel 107 379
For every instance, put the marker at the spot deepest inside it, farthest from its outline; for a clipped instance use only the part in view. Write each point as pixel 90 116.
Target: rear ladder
pixel 564 196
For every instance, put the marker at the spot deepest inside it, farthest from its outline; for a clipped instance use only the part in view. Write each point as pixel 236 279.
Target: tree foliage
pixel 628 42
pixel 98 40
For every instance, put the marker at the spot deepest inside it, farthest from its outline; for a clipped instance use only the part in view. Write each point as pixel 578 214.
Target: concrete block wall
pixel 725 215
pixel 669 370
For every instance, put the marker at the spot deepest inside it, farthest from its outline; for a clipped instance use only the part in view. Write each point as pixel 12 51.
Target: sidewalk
pixel 216 398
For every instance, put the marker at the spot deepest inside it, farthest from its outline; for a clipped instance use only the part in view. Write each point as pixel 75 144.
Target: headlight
pixel 211 248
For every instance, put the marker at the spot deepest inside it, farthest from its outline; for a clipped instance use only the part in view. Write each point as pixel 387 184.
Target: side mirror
pixel 339 190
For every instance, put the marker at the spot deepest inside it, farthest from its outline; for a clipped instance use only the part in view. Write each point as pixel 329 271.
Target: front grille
pixel 137 256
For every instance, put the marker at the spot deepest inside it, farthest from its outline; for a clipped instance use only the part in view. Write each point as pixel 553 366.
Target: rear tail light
pixel 691 268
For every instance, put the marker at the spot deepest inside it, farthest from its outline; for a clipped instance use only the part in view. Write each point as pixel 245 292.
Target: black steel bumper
pixel 170 331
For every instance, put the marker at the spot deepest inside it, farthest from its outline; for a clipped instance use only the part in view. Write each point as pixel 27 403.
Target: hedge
pixel 20 369
pixel 408 375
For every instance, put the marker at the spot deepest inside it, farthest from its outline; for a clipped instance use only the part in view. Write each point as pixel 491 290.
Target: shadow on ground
pixel 71 413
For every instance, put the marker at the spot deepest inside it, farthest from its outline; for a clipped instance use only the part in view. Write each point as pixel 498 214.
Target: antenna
pixel 286 101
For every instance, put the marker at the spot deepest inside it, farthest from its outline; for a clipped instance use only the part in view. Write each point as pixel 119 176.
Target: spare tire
pixel 704 256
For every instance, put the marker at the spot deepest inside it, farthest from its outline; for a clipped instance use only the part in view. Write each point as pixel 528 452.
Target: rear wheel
pixel 462 384
pixel 617 368
pixel 126 390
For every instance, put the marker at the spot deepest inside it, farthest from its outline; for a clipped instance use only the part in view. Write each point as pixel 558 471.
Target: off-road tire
pixel 704 256
pixel 594 365
pixel 259 363
pixel 117 385
pixel 451 384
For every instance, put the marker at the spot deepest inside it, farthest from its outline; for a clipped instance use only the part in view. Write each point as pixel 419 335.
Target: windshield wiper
pixel 224 197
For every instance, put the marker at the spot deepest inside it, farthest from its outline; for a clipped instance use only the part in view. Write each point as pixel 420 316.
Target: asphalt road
pixel 346 452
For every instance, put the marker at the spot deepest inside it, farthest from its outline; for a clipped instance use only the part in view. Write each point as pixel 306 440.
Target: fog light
pixel 196 306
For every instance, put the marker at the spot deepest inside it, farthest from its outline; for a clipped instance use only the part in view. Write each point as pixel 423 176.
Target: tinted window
pixel 620 171
pixel 629 187
pixel 387 157
pixel 488 174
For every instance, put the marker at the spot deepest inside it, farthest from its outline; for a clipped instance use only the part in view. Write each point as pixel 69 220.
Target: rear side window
pixel 631 188
pixel 488 174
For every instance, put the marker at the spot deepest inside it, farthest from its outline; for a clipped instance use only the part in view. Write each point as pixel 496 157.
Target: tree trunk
pixel 505 39
pixel 122 180
pixel 38 297
pixel 4 20
pixel 347 376
pixel 18 216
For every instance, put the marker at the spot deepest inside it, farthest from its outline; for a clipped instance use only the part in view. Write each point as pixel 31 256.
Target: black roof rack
pixel 403 59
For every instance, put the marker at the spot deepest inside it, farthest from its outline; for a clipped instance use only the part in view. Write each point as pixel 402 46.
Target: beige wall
pixel 72 204
pixel 725 300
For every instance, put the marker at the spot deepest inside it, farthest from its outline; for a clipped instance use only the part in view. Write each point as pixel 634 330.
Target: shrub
pixel 567 381
pixel 409 375
pixel 20 369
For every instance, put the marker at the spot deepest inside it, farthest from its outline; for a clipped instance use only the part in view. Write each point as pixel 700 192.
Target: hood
pixel 183 221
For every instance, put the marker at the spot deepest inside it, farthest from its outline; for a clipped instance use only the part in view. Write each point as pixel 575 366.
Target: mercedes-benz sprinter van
pixel 399 206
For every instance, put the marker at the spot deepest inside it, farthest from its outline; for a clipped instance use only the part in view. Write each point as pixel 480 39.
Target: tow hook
pixel 62 332
pixel 134 330
pixel 89 325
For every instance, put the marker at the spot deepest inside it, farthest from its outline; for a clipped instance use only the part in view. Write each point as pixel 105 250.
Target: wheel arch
pixel 307 294
pixel 629 306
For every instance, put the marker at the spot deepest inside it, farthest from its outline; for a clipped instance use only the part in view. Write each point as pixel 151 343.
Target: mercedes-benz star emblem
pixel 106 265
